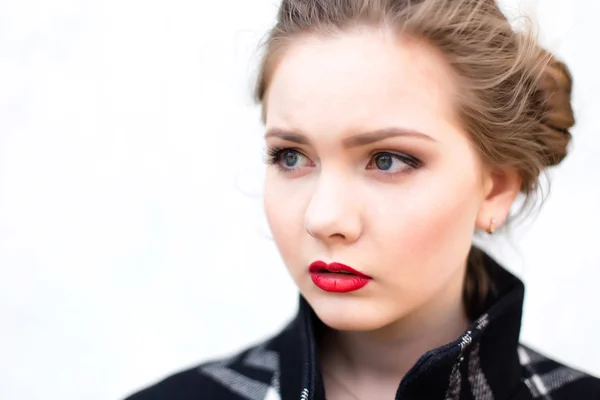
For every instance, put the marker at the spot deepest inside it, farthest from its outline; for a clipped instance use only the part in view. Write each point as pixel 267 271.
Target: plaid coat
pixel 486 362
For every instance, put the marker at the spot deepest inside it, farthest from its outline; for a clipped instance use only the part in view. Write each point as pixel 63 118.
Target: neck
pixel 389 352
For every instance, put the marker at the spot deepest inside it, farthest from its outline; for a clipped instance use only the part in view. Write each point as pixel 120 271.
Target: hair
pixel 515 96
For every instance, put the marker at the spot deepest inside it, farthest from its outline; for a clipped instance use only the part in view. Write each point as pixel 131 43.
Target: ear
pixel 500 189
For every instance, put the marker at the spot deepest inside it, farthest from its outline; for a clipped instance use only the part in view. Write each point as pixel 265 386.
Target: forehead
pixel 359 80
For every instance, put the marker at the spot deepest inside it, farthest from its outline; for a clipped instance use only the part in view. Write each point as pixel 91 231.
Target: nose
pixel 333 213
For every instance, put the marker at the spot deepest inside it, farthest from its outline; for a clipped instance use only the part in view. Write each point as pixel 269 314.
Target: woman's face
pixel 371 169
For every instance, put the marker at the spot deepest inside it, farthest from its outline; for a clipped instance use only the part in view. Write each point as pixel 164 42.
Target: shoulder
pixel 547 378
pixel 252 373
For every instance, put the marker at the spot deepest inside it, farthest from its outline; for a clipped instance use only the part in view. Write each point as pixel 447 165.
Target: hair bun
pixel 557 116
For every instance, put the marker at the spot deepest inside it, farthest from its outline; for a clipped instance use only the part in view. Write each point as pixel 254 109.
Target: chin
pixel 349 314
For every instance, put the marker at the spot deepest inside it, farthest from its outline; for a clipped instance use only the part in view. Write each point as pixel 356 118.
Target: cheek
pixel 284 205
pixel 428 225
pixel 448 201
pixel 278 208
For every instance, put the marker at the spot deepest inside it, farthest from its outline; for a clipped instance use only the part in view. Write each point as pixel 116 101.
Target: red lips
pixel 336 277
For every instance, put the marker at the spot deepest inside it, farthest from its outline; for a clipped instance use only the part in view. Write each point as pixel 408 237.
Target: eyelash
pixel 274 157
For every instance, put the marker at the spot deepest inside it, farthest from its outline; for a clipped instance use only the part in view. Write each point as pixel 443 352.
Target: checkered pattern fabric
pixel 259 382
pixel 547 379
pixel 254 375
pixel 487 362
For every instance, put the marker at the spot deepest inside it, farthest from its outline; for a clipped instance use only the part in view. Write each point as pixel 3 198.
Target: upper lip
pixel 319 266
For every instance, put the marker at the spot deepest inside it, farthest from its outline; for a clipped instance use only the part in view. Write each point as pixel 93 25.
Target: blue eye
pixel 384 161
pixel 289 158
pixel 392 162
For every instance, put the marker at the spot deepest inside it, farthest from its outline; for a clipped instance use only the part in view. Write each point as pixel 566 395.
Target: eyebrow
pixel 360 139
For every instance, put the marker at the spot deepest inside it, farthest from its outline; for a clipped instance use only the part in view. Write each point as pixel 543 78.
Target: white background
pixel 132 238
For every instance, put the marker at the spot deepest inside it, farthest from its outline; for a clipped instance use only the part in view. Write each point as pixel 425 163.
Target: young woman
pixel 395 130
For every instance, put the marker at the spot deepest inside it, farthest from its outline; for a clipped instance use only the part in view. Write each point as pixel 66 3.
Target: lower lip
pixel 340 283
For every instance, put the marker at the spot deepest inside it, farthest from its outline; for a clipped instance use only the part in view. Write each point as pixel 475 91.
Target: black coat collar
pixel 482 363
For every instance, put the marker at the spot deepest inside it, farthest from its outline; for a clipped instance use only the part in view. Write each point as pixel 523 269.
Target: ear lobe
pixel 501 188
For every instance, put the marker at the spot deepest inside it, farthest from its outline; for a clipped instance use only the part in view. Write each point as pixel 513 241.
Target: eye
pixel 384 161
pixel 392 162
pixel 287 159
pixel 290 158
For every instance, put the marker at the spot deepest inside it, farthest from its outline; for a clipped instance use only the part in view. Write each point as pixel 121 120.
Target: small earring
pixel 492 226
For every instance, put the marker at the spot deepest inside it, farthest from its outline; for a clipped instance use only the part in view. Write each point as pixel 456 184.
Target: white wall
pixel 132 238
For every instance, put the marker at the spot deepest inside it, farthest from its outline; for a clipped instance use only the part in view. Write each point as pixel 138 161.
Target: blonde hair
pixel 515 97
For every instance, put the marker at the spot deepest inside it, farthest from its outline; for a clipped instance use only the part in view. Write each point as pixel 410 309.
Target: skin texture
pixel 407 224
